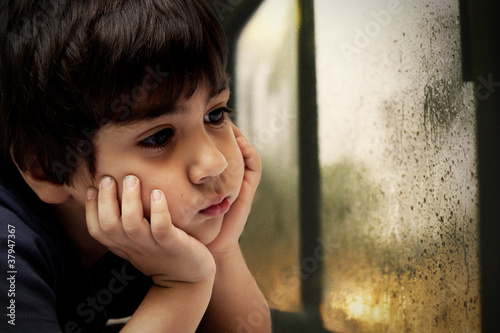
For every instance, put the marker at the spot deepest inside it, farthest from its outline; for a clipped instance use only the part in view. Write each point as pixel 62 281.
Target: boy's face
pixel 190 154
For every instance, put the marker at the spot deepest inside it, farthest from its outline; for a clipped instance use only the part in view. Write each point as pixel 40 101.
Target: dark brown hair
pixel 68 67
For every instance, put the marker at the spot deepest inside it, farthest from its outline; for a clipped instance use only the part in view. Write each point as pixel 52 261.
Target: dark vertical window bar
pixel 233 16
pixel 480 21
pixel 309 174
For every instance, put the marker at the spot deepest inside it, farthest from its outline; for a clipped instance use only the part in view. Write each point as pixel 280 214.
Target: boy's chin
pixel 212 230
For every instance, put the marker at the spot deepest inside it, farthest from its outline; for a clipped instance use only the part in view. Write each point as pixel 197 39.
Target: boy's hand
pixel 235 219
pixel 158 249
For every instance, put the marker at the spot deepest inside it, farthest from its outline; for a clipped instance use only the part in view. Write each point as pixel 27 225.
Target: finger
pixel 237 132
pixel 92 217
pixel 134 224
pixel 108 209
pixel 242 205
pixel 253 165
pixel 252 159
pixel 162 229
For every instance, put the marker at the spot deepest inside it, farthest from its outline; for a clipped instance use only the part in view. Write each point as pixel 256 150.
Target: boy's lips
pixel 219 208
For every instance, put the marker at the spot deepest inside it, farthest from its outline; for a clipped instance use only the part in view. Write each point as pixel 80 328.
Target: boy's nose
pixel 206 161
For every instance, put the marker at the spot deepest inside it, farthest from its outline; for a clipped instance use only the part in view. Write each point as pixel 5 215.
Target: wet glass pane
pixel 266 93
pixel 398 164
pixel 397 138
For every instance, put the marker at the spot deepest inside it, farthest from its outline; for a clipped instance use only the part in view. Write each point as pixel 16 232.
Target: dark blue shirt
pixel 44 285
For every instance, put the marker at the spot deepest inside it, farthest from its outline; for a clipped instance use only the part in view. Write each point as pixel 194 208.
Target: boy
pixel 127 185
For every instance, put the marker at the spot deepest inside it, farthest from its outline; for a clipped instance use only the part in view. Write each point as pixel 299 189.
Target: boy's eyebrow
pixel 162 109
pixel 218 92
pixel 175 109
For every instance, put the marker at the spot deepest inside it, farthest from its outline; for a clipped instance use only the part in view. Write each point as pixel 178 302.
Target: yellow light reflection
pixel 364 305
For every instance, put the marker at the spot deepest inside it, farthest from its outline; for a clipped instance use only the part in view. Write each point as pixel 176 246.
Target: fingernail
pixel 130 181
pixel 156 195
pixel 91 193
pixel 106 182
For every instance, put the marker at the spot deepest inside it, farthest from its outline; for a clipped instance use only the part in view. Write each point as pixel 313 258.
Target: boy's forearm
pixel 237 302
pixel 178 308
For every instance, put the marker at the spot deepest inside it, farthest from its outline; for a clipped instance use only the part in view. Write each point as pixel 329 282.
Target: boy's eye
pixel 216 116
pixel 159 139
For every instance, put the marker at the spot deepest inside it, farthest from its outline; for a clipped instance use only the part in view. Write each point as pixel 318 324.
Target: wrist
pixel 167 281
pixel 162 282
pixel 229 254
pixel 175 306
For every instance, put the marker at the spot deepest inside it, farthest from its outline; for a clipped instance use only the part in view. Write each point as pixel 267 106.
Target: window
pixel 399 236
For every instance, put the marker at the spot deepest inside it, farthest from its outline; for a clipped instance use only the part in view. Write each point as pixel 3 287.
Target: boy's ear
pixel 48 189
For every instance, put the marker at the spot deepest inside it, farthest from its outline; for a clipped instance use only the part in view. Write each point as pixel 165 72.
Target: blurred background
pixel 367 218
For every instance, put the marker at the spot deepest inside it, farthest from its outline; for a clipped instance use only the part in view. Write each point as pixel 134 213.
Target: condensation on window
pixel 397 137
pixel 398 164
pixel 266 92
